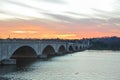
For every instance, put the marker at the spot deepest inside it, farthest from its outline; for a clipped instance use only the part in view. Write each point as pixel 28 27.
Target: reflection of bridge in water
pixel 14 49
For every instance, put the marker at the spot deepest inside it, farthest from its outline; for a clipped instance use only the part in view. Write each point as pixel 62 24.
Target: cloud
pixel 18 3
pixel 82 15
pixel 66 35
pixel 20 9
pixel 47 29
pixel 64 19
pixel 13 15
pixel 22 32
pixel 61 18
pixel 55 1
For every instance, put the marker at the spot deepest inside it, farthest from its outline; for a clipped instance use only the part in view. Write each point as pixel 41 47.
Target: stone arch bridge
pixel 13 49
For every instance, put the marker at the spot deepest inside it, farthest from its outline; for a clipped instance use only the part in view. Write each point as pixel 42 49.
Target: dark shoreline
pixel 106 49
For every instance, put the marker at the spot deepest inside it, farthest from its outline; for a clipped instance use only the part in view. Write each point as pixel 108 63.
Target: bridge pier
pixel 8 62
pixel 59 54
pixel 43 56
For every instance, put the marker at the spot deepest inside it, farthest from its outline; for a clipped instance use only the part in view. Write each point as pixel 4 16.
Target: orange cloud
pixel 23 32
pixel 26 31
pixel 66 36
pixel 17 29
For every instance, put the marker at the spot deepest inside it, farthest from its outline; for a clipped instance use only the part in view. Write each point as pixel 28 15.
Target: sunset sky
pixel 66 19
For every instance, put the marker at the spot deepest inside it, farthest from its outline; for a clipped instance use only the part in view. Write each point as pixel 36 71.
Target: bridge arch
pixel 24 52
pixel 48 51
pixel 71 48
pixel 76 48
pixel 80 48
pixel 62 49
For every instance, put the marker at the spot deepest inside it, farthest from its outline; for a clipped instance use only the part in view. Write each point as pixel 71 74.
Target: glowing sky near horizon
pixel 67 19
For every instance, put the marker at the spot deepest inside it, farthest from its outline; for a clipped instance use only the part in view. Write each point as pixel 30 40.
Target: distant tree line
pixel 106 43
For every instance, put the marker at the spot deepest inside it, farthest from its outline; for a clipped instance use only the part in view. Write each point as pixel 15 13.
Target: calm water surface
pixel 86 65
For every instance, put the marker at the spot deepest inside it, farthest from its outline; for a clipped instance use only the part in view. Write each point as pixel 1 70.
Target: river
pixel 86 65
